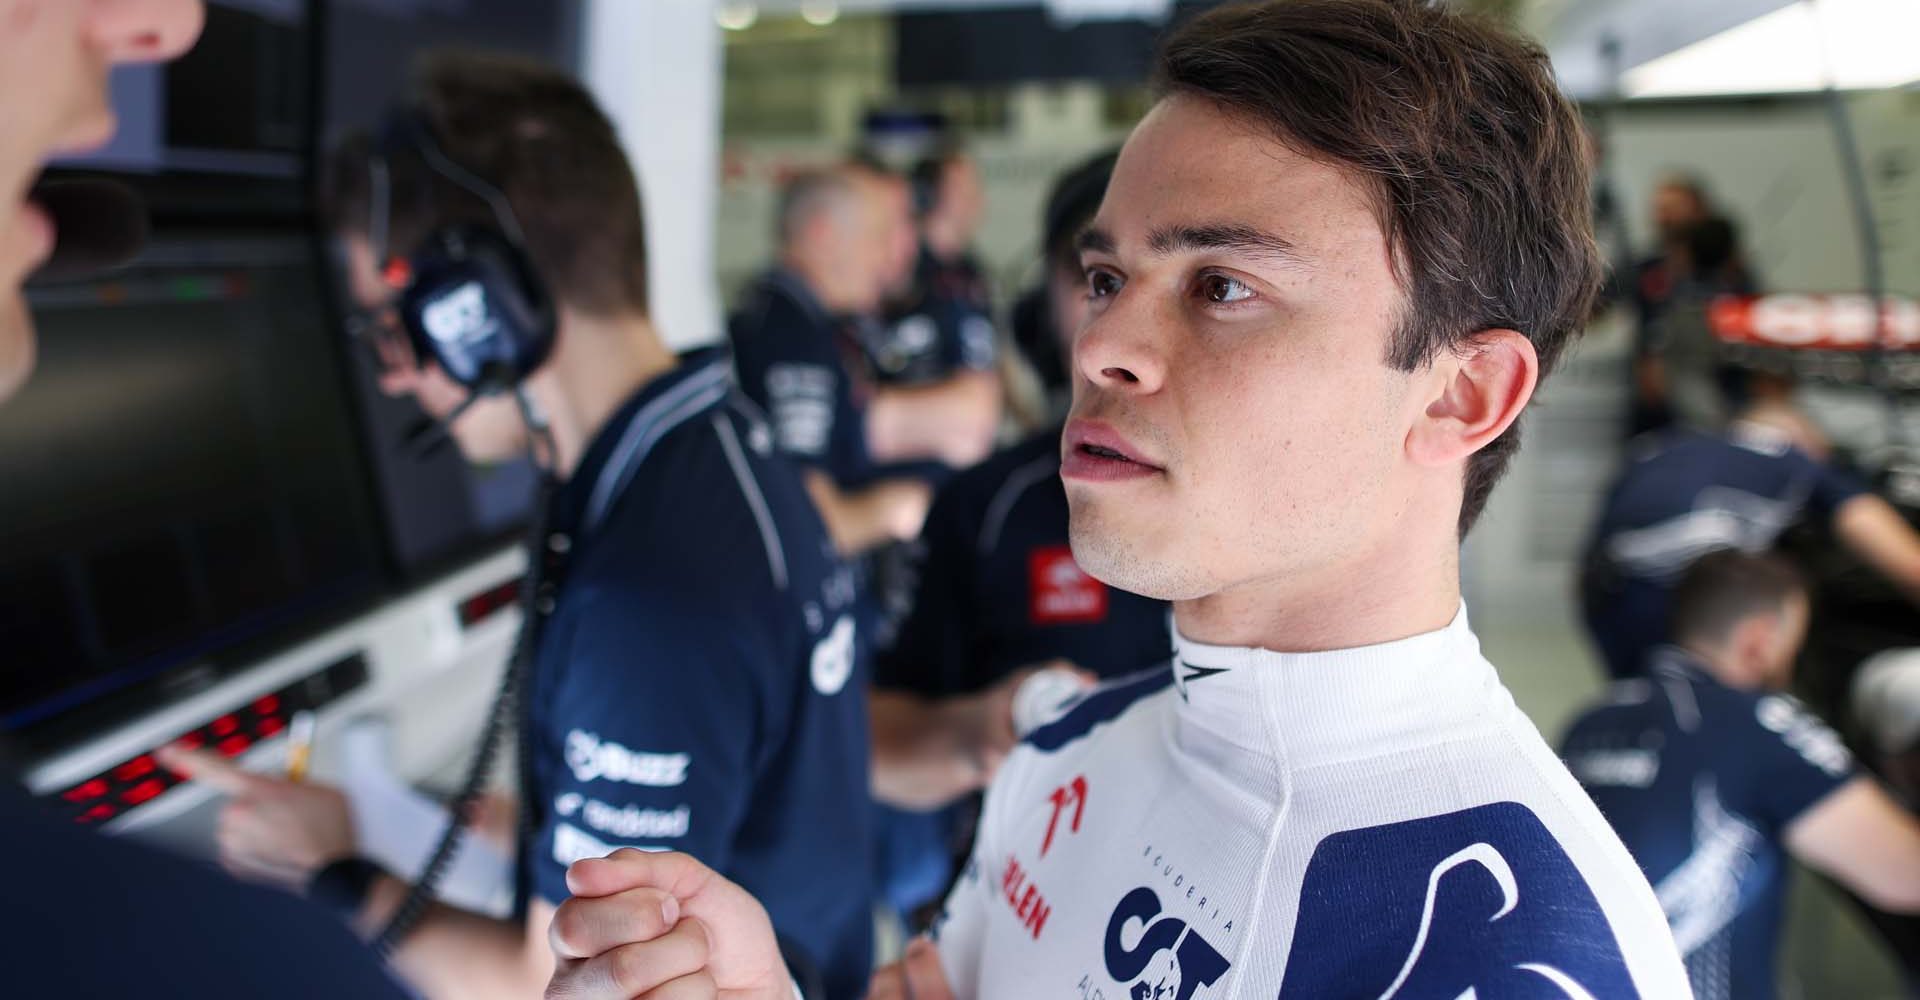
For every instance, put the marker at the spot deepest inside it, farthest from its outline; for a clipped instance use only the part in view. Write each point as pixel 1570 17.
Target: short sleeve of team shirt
pixel 1831 487
pixel 787 363
pixel 637 767
pixel 1778 759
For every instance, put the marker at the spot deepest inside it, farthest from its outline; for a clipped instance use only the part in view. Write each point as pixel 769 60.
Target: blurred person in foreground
pixel 173 928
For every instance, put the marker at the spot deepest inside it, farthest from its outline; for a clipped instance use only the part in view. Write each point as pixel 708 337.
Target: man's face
pixel 54 57
pixel 963 196
pixel 1674 208
pixel 865 248
pixel 1242 299
pixel 490 430
pixel 899 245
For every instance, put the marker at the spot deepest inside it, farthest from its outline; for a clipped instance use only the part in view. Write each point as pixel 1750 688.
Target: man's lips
pixel 1095 451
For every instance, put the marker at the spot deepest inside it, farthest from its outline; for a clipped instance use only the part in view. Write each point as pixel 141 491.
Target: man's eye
pixel 1224 290
pixel 1101 284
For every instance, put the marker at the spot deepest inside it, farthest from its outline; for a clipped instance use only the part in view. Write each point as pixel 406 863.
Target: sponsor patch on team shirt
pixel 800 399
pixel 833 658
pixel 1812 739
pixel 591 758
pixel 1060 592
pixel 1626 768
pixel 1481 902
pixel 627 820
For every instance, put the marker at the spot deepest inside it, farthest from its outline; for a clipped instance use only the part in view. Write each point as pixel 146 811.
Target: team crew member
pixel 1679 203
pixel 1331 265
pixel 944 323
pixel 797 350
pixel 1685 493
pixel 1711 775
pixel 90 892
pixel 698 683
pixel 998 593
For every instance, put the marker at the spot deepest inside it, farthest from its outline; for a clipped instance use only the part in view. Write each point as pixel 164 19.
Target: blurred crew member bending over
pixel 1711 774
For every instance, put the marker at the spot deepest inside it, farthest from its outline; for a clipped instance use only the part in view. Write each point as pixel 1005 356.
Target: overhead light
pixel 1071 12
pixel 736 16
pixel 820 13
pixel 1860 44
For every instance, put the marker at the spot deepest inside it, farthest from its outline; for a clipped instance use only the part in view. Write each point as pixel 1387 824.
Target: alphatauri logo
pixel 459 317
pixel 1158 957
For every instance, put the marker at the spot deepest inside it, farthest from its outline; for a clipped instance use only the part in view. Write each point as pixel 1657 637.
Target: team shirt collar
pixel 1324 707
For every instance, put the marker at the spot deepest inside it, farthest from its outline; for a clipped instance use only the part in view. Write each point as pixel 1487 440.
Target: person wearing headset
pixel 696 679
pixel 106 913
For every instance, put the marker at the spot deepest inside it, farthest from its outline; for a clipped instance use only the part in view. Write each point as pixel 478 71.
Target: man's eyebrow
pixel 1094 240
pixel 1234 238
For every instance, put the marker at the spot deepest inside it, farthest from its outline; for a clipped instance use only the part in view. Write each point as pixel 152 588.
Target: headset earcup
pixel 477 307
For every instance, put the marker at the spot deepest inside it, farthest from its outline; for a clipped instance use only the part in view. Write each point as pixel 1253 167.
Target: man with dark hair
pixel 174 928
pixel 1711 774
pixel 1332 264
pixel 1684 493
pixel 697 679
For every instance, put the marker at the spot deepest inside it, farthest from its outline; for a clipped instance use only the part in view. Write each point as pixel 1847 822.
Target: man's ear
pixel 1478 393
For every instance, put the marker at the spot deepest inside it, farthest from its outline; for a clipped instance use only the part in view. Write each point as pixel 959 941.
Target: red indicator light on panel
pixel 268 727
pixel 191 741
pixel 225 725
pixel 233 746
pixel 86 790
pixel 143 791
pixel 267 705
pixel 97 813
pixel 139 767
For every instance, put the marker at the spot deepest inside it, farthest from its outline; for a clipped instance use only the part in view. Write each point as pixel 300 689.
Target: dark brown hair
pixel 534 133
pixel 1475 160
pixel 1722 589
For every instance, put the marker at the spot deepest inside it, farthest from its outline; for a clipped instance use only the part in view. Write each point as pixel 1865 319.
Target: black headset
pixel 470 297
pixel 471 300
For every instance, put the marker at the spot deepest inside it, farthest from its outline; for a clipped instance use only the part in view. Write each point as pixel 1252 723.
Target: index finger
pixel 208 768
pixel 627 868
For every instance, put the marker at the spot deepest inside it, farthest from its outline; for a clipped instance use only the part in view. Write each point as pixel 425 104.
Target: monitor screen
pixel 182 476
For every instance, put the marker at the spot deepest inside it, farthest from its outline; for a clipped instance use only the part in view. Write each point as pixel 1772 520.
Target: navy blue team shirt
pixel 999 589
pixel 1685 494
pixel 700 685
pixel 103 917
pixel 796 360
pixel 1701 781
